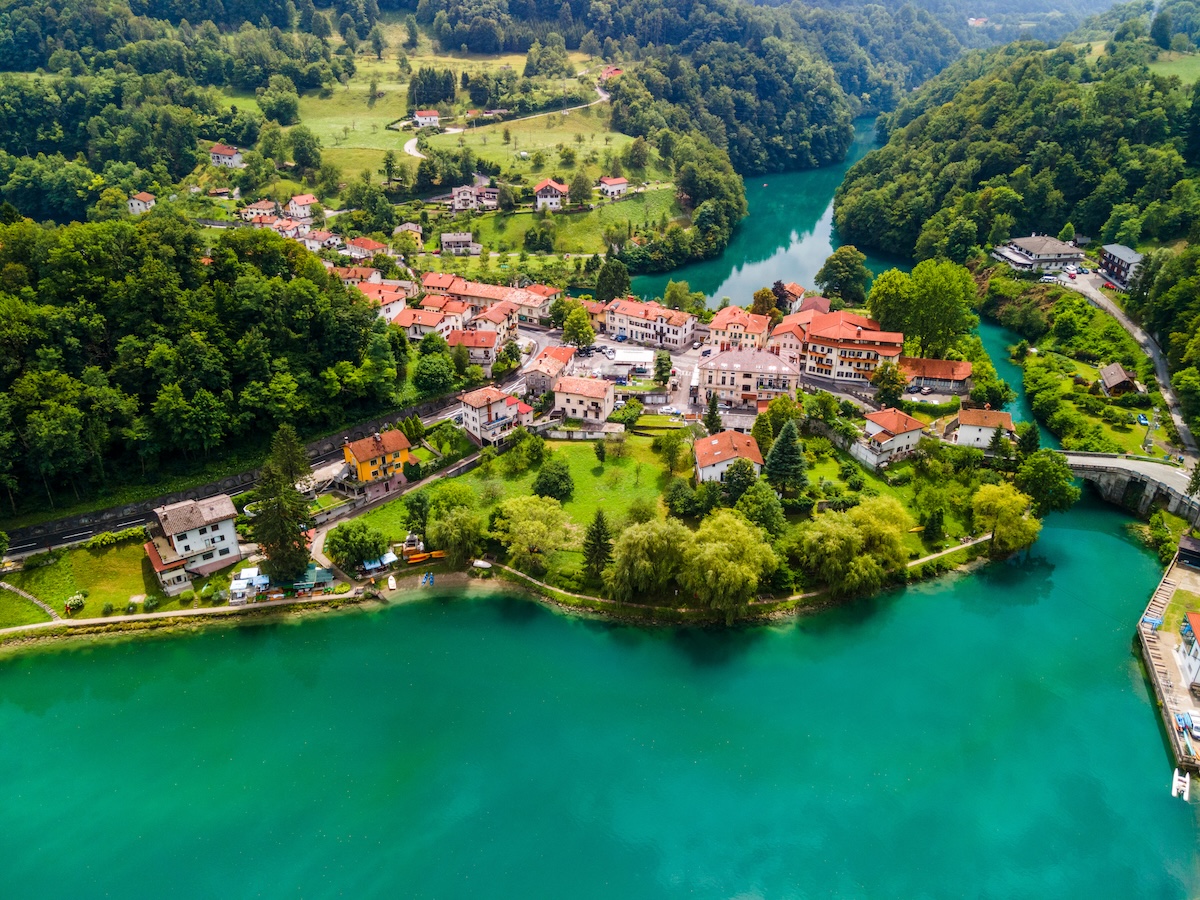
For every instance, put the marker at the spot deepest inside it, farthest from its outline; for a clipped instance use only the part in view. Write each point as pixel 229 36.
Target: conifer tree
pixel 762 433
pixel 712 418
pixel 785 466
pixel 282 518
pixel 597 545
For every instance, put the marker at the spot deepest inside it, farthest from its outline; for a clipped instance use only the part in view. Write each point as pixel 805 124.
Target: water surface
pixel 989 735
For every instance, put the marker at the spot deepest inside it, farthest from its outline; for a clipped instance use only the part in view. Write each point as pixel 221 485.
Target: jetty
pixel 1164 648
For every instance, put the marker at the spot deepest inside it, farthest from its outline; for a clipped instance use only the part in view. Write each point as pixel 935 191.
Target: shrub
pixel 112 538
pixel 107 609
pixel 39 560
pixel 856 482
pixel 74 603
pixel 628 414
pixel 342 588
pixel 151 604
pixel 130 608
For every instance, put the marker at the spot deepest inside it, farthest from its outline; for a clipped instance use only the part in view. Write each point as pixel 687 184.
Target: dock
pixel 1159 647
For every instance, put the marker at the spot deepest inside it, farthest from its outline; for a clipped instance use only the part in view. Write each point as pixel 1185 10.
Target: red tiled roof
pixel 448 305
pixel 942 369
pixel 426 318
pixel 426 112
pixel 985 418
pixel 815 303
pixel 366 243
pixel 649 311
pixel 439 280
pixel 846 326
pixel 613 182
pixel 586 387
pixel 144 197
pixel 726 445
pixel 485 396
pixel 471 338
pixel 522 408
pixel 544 290
pixel 894 421
pixel 304 200
pixel 261 204
pixel 156 559
pixel 562 354
pixel 551 183
pixel 794 289
pixel 222 150
pixel 735 315
pixel 371 447
pixel 498 312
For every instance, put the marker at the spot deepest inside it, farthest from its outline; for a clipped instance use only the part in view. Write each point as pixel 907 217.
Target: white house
pixel 300 207
pixel 490 415
pixel 419 322
pixel 499 317
pixel 364 248
pixel 977 426
pixel 427 118
pixel 481 347
pixel 1187 652
pixel 319 240
pixel 589 399
pixel 259 208
pixel 716 453
pixel 1039 251
pixel 889 433
pixel 649 323
pixel 226 156
pixel 459 243
pixel 612 188
pixel 192 537
pixel 141 202
pixel 549 194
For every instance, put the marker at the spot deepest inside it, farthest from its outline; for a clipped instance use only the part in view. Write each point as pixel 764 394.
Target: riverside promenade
pixel 1159 641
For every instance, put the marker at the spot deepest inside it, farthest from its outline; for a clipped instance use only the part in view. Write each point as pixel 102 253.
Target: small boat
pixel 391 582
pixel 417 558
pixel 1181 786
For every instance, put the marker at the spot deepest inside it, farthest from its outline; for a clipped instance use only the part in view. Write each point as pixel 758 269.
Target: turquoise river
pixel 986 735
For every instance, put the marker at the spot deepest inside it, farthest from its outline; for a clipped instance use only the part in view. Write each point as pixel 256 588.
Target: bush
pixel 342 588
pixel 130 608
pixel 74 604
pixel 151 604
pixel 39 560
pixel 107 610
pixel 112 538
pixel 628 414
pixel 856 482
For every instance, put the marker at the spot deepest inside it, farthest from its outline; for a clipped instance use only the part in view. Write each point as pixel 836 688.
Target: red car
pixel 1110 285
pixel 1071 275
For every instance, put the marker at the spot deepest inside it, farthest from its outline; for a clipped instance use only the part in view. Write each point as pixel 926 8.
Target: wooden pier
pixel 1171 695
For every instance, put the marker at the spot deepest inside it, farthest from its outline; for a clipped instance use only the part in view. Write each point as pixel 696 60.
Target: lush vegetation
pixel 976 157
pixel 124 357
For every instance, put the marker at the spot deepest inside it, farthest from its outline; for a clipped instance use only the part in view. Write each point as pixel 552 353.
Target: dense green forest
pixel 123 354
pixel 1028 139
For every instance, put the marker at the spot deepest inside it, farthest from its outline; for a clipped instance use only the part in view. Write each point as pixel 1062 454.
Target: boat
pixel 418 558
pixel 391 582
pixel 1181 786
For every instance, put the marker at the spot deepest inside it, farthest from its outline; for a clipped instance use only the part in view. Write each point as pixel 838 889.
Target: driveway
pixel 1089 287
pixel 410 147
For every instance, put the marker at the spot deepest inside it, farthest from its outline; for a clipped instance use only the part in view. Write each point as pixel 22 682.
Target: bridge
pixel 1137 483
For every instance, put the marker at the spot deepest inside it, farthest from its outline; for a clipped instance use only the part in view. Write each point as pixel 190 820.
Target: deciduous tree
pixel 530 528
pixel 1049 482
pixel 845 275
pixel 647 559
pixel 353 543
pixel 726 562
pixel 458 531
pixel 1005 511
pixel 577 329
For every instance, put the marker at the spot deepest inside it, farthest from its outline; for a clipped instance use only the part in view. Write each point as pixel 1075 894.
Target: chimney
pixel 378 438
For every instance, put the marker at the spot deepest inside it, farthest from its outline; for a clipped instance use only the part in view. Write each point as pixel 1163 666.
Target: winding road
pixel 1088 286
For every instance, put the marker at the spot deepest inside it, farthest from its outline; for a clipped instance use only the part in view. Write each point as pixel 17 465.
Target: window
pixel 207 556
pixel 204 530
pixel 186 547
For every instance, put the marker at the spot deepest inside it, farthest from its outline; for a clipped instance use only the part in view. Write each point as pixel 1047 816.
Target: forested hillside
pixel 1028 139
pixel 123 352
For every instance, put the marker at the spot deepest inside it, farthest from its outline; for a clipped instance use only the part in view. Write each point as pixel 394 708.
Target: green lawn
pixel 16 610
pixel 422 454
pixel 111 575
pixel 582 232
pixel 1182 602
pixel 1128 437
pixel 390 518
pixel 1184 65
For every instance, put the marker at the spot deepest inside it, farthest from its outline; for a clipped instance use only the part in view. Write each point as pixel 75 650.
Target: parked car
pixel 1048 279
pixel 695 345
pixel 707 352
pixel 620 404
pixel 926 390
pixel 1071 275
pixel 621 338
pixel 1083 270
pixel 913 389
pixel 669 411
pixel 1110 285
pixel 1142 420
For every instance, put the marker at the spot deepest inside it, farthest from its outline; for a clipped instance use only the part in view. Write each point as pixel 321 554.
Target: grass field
pixel 1182 602
pixel 16 610
pixel 1186 66
pixel 111 575
pixel 580 232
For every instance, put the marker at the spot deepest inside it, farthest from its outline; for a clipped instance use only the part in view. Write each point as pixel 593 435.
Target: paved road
pixel 1088 286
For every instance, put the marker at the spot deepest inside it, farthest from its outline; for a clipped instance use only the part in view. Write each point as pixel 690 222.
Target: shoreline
pixel 65 632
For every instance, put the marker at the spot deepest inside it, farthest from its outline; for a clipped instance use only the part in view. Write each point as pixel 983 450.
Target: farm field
pixel 1184 65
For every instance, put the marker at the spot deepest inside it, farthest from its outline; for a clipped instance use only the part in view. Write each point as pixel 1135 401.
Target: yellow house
pixel 378 460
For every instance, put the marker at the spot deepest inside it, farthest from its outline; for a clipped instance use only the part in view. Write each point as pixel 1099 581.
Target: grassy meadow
pixel 16 610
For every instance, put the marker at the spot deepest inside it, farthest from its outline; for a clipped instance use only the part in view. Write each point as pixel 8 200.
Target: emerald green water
pixel 986 735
